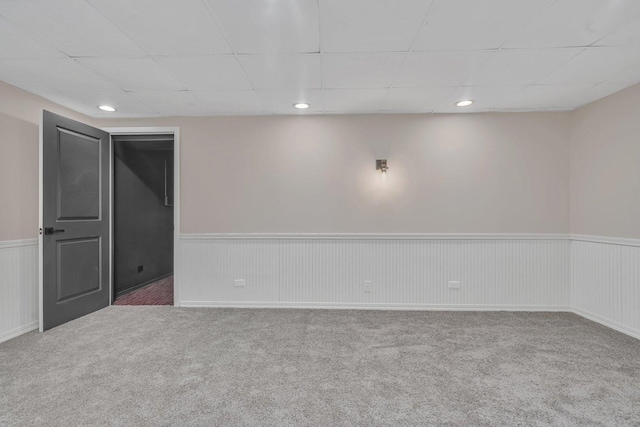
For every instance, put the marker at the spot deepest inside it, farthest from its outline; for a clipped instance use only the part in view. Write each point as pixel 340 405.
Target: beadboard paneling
pixel 605 280
pixel 18 287
pixel 599 278
pixel 405 272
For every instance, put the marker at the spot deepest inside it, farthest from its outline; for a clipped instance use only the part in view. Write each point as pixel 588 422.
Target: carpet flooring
pixel 156 293
pixel 166 366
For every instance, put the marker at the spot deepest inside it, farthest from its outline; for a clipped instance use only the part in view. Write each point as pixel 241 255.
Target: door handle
pixel 50 230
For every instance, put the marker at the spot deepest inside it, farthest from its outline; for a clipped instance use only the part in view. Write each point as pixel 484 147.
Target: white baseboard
pixel 365 306
pixel 373 236
pixel 608 323
pixel 18 331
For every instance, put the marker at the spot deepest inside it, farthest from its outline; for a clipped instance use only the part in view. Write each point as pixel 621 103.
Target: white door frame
pixel 40 224
pixel 176 197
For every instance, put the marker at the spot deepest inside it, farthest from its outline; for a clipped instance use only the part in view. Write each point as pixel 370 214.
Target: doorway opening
pixel 143 219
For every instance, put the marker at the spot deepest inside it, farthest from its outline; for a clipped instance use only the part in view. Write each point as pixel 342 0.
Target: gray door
pixel 75 219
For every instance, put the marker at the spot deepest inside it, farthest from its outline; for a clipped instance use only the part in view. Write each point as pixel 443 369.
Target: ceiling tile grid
pixel 152 58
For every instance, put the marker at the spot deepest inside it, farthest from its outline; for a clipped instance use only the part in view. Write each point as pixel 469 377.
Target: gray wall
pixel 143 225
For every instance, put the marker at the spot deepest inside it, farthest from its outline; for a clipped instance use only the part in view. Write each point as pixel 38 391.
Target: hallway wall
pixel 143 225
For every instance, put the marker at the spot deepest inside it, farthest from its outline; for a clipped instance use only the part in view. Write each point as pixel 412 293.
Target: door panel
pixel 78 267
pixel 75 212
pixel 79 180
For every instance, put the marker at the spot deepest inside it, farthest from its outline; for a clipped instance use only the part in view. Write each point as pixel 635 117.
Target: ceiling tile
pixel 485 98
pixel 598 65
pixel 231 101
pixel 52 75
pixel 359 26
pixel 571 23
pixel 520 66
pixel 283 71
pixel 259 26
pixel 364 67
pixel 545 97
pixel 451 68
pixel 353 100
pixel 87 103
pixel 180 103
pixel 415 100
pixel 134 74
pixel 207 72
pixel 16 44
pixel 629 35
pixel 167 27
pixel 484 24
pixel 281 101
pixel 72 26
pixel 360 70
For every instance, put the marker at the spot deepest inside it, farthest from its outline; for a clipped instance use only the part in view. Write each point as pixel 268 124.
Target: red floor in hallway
pixel 157 293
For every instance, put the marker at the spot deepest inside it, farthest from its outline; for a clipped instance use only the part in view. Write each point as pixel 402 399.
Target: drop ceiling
pixel 151 58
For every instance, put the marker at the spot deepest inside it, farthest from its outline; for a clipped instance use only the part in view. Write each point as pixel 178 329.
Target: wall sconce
pixel 381 165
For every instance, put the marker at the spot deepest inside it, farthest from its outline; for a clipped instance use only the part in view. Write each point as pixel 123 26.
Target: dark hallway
pixel 143 216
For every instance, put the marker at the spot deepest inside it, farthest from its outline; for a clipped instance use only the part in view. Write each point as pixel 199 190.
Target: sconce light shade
pixel 381 165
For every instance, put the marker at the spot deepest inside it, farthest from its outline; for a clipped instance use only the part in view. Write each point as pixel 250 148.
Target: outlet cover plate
pixel 367 285
pixel 239 283
pixel 454 284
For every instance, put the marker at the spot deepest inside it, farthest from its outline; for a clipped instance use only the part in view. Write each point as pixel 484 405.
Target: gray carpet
pixel 160 366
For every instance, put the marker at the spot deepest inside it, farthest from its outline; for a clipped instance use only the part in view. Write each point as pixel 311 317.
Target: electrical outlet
pixel 239 283
pixel 454 284
pixel 140 268
pixel 367 285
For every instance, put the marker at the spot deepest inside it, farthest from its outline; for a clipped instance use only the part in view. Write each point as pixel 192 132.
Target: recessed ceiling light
pixel 464 103
pixel 301 105
pixel 108 108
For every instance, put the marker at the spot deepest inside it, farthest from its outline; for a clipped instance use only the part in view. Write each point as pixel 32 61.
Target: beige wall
pixel 476 173
pixel 605 166
pixel 19 136
pixel 18 179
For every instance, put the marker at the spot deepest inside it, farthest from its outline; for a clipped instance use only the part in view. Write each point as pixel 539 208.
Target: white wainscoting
pixel 605 276
pixel 18 287
pixel 596 277
pixel 496 272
